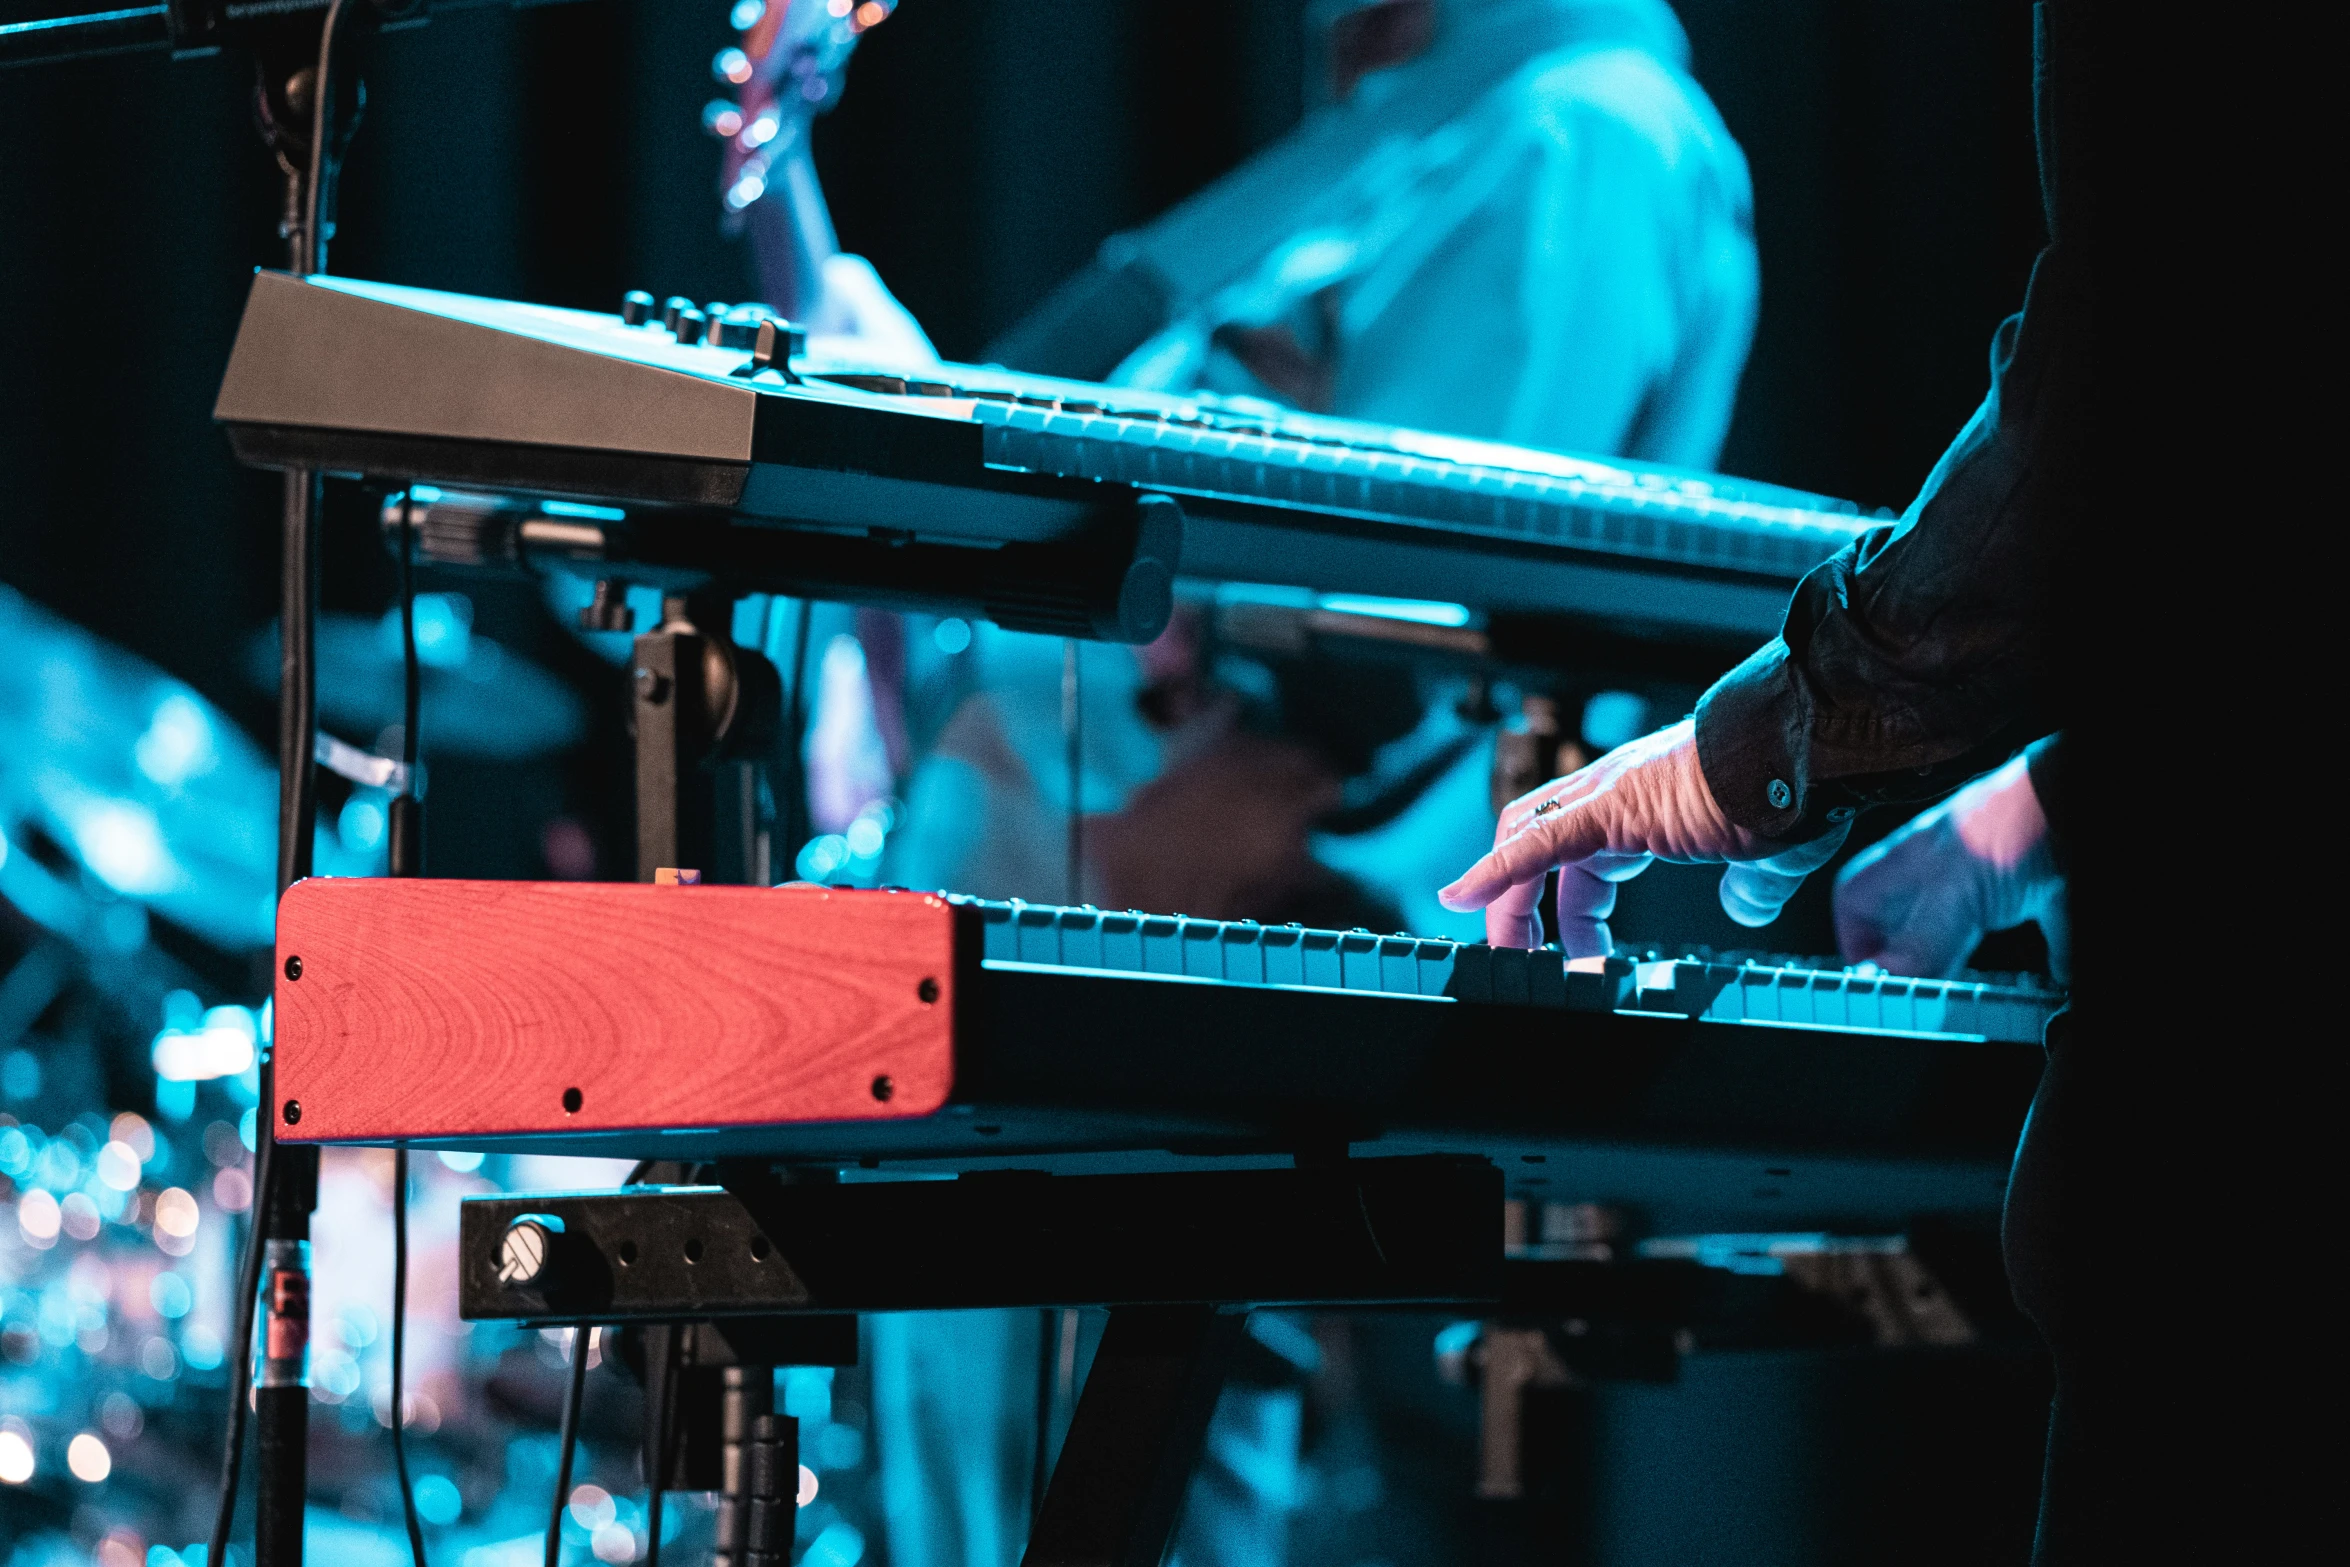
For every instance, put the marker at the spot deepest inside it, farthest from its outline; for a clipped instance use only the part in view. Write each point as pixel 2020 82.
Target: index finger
pixel 1546 842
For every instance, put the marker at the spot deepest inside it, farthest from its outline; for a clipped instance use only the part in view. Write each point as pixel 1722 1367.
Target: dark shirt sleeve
pixel 2044 758
pixel 1918 655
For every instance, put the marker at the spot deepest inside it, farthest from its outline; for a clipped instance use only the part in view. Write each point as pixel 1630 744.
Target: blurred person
pixel 1519 221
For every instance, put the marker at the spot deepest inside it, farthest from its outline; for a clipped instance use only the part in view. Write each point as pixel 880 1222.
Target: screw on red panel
pixel 572 1100
pixel 883 1088
pixel 293 1111
pixel 294 966
pixel 927 990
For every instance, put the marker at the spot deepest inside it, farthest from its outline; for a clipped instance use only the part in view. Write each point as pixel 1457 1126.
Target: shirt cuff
pixel 1750 729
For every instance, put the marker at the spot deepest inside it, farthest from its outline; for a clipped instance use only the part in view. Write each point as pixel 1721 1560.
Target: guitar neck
pixel 790 230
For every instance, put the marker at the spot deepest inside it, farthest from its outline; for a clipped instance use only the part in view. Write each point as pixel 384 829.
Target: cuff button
pixel 1779 794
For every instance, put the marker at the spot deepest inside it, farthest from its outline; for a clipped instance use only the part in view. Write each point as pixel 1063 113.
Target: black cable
pixel 1073 736
pixel 795 809
pixel 314 206
pixel 412 694
pixel 400 1352
pixel 570 1441
pixel 664 1418
pixel 241 1347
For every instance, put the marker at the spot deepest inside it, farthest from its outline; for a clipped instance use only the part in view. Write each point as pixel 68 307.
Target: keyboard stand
pixel 721 1272
pixel 1117 1493
pixel 724 1281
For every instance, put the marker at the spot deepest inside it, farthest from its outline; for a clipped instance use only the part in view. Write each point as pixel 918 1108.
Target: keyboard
pixel 904 1033
pixel 400 384
pixel 1787 992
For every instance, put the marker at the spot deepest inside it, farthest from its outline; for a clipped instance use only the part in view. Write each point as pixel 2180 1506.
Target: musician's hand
pixel 1644 801
pixel 1918 902
pixel 859 318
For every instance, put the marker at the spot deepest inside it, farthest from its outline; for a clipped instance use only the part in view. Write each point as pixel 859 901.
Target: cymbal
pixel 479 699
pixel 122 790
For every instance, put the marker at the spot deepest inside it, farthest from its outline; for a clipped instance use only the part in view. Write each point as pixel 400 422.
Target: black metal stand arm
pixel 770 1269
pixel 703 711
pixel 48 30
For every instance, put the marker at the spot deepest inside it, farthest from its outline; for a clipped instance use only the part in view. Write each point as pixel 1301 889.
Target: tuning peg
pixel 636 307
pixel 673 307
pixel 690 325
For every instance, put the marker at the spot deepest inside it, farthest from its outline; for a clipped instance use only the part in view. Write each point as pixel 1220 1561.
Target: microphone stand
pixel 307 129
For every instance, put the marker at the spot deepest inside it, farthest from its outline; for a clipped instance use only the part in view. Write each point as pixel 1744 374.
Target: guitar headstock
pixel 786 67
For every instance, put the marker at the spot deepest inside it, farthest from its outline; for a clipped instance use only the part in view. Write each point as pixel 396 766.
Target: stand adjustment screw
pixel 526 1254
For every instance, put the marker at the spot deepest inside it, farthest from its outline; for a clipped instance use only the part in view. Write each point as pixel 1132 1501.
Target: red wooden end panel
pixel 447 1009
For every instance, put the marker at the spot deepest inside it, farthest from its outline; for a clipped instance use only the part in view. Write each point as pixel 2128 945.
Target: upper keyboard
pixel 410 384
pixel 1254 452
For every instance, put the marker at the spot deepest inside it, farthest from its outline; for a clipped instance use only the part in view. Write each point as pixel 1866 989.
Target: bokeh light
pixel 86 1455
pixel 176 1212
pixel 16 1453
pixel 38 1217
pixel 591 1506
pixel 438 1501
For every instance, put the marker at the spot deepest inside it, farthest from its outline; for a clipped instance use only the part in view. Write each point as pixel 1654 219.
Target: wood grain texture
pixel 442 1009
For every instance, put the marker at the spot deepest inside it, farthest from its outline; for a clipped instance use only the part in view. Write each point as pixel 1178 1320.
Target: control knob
pixel 774 343
pixel 738 327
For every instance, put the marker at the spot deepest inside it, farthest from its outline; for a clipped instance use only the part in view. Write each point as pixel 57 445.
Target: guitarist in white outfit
pixel 1518 220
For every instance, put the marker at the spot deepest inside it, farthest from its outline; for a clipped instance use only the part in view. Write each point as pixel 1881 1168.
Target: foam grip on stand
pixel 406 854
pixel 773 1520
pixel 775 1462
pixel 1119 587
